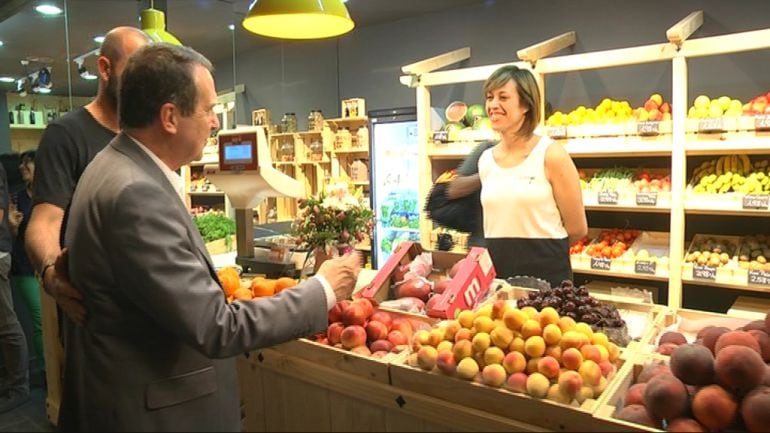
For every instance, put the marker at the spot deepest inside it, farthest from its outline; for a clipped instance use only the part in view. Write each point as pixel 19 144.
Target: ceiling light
pixel 154 24
pixel 1 42
pixel 231 27
pixel 48 9
pixel 7 79
pixel 298 19
pixel 43 90
pixel 98 39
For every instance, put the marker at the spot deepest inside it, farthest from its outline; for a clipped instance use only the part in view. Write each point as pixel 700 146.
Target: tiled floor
pixel 29 417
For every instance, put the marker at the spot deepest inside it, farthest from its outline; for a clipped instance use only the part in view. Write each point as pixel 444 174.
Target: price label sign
pixel 601 263
pixel 754 201
pixel 759 277
pixel 608 197
pixel 710 124
pixel 648 128
pixel 441 137
pixel 645 267
pixel 557 131
pixel 762 122
pixel 646 198
pixel 704 272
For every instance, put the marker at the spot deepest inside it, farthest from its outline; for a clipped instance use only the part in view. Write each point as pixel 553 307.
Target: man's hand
pixel 57 284
pixel 342 273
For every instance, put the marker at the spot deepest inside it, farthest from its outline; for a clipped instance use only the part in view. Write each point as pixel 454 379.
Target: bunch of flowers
pixel 335 217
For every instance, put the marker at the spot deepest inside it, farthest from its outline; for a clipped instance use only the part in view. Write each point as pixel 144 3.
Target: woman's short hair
pixel 527 88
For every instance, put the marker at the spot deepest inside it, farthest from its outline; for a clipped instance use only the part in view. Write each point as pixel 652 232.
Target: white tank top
pixel 518 201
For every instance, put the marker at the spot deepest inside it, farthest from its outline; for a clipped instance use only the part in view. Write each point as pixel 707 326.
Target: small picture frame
pixel 260 117
pixel 353 107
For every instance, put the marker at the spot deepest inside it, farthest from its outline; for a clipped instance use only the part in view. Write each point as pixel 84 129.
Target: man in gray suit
pixel 157 352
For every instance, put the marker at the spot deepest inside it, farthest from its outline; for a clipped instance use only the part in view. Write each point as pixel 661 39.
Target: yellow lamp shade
pixel 298 19
pixel 154 25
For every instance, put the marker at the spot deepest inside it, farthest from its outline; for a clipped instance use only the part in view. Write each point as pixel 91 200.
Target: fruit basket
pixel 549 379
pixel 753 261
pixel 711 258
pixel 607 251
pixel 650 254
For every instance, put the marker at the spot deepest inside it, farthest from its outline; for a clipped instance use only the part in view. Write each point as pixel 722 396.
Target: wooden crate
pixel 750 308
pixel 688 323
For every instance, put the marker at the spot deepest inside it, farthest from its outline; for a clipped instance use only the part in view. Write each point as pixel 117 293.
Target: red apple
pixel 353 336
pixel 354 315
pixel 334 332
pixel 381 345
pixel 376 331
pixel 415 287
pixel 366 304
pixel 398 338
pixel 335 314
pixel 382 317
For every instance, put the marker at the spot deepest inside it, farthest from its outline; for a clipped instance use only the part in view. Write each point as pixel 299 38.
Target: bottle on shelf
pixel 289 123
pixel 286 151
pixel 316 149
pixel 362 136
pixel 315 120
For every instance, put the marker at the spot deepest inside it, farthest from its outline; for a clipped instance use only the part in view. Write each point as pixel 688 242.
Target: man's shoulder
pixel 77 118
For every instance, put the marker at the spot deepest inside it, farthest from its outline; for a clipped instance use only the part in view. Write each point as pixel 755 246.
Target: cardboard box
pixel 469 286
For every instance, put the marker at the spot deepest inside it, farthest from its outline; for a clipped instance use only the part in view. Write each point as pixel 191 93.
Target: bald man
pixel 68 145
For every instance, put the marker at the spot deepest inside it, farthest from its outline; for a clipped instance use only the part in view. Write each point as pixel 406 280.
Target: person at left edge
pixel 157 352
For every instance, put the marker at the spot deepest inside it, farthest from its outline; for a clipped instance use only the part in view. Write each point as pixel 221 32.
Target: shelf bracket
pixel 682 30
pixel 437 62
pixel 533 53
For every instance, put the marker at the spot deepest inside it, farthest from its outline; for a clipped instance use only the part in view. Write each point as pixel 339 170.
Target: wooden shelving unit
pixel 677 146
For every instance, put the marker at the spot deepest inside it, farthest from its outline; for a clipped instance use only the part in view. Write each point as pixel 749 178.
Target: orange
pixel 262 287
pixel 284 283
pixel 229 281
pixel 243 294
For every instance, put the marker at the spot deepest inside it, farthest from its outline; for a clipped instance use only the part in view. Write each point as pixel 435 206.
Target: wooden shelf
pixel 283 134
pixel 208 193
pixel 633 276
pixel 748 142
pixel 744 287
pixel 28 127
pixel 455 150
pixel 347 121
pixel 349 151
pixel 361 183
pixel 629 146
pixel 617 208
pixel 285 163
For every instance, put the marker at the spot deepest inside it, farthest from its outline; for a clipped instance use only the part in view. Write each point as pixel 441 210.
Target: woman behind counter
pixel 530 189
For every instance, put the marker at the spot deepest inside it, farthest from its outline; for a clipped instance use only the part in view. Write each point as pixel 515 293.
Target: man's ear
pixel 169 117
pixel 103 67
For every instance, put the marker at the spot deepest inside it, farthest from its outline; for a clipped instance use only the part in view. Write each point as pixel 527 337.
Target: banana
pixel 746 164
pixel 734 163
pixel 720 165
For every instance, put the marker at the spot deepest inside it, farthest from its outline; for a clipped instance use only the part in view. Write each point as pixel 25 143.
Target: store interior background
pixel 291 76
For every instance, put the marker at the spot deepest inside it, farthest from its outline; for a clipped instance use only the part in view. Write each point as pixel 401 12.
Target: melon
pixel 455 112
pixel 483 124
pixel 453 127
pixel 474 111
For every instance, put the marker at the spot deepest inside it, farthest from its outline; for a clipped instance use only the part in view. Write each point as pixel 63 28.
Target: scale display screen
pixel 238 152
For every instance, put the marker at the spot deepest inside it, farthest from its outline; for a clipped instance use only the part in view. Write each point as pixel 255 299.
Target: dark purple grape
pixel 566 283
pixel 582 291
pixel 594 302
pixel 572 315
pixel 590 318
pixel 569 306
pixel 546 292
pixel 538 304
pixel 521 303
pixel 583 309
pixel 533 295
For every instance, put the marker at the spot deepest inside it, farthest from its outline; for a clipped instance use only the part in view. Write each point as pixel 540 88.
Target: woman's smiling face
pixel 504 108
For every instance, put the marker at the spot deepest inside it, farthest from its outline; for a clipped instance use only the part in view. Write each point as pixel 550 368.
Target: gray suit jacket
pixel 157 352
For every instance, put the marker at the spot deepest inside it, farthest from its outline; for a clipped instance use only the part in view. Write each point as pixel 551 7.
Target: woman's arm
pixel 563 175
pixel 463 185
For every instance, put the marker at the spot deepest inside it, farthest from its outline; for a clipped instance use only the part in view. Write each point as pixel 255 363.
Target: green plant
pixel 336 216
pixel 215 225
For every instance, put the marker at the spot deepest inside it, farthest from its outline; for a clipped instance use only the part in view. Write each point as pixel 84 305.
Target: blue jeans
pixel 13 344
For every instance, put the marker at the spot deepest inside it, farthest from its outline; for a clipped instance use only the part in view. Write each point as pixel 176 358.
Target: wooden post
pixel 682 30
pixel 533 53
pixel 678 181
pixel 54 355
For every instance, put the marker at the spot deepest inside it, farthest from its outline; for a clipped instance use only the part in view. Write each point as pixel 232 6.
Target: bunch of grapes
pixel 574 302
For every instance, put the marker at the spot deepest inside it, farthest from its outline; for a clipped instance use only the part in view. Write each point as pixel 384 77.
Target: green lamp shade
pixel 154 25
pixel 298 19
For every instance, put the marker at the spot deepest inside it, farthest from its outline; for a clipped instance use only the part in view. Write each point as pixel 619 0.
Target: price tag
pixel 648 128
pixel 704 272
pixel 441 137
pixel 557 131
pixel 710 124
pixel 646 198
pixel 645 267
pixel 754 201
pixel 762 122
pixel 759 277
pixel 608 197
pixel 602 263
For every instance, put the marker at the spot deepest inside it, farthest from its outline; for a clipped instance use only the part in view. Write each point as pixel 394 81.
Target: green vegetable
pixel 214 225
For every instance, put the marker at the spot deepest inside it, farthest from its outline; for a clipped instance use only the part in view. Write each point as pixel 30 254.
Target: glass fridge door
pixel 394 186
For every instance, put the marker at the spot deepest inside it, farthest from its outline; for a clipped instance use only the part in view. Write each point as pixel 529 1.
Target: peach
pixel 517 345
pixel 397 338
pixel 467 369
pixel 531 328
pixel 666 397
pixel 666 348
pixel 353 336
pixel 590 352
pixel 638 414
pixel 464 334
pixel 651 370
pixel 445 345
pixel 584 329
pixel 549 367
pixel 586 392
pixel 566 323
pixel 635 394
pixel 479 358
pixel 361 350
pixel 572 339
pixel 382 317
pixel 335 314
pixel 709 336
pixel 334 332
pixel 499 307
pixel 607 368
pixel 739 338
pixel 365 305
pixel 534 346
pixel 538 385
pixel 715 408
pixel 450 330
pixel 590 372
pixel 427 357
pixel 485 310
pixel 514 319
pixel 763 340
pixel 483 324
pixel 436 336
pixel 554 352
pixel 572 358
pixel 685 425
pixel 517 382
pixel 739 368
pixel 693 364
pixel 614 352
pixel 600 339
pixel 381 346
pixel 354 315
pixel 493 375
pixel 570 383
pixel 551 334
pixel 376 331
pixel 514 362
pixel 501 337
pixel 481 342
pixel 532 365
pixel 493 355
pixel 445 361
pixel 672 337
pixel 419 339
pixel 466 318
pixel 755 409
pixel 462 349
pixel 531 312
pixel 548 316
pixel 604 354
pixel 402 325
pixel 555 394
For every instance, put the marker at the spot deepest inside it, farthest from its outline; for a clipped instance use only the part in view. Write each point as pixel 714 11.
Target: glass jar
pixel 289 123
pixel 286 151
pixel 318 124
pixel 316 150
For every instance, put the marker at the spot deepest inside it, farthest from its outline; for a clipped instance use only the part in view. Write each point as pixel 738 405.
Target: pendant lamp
pixel 154 24
pixel 298 19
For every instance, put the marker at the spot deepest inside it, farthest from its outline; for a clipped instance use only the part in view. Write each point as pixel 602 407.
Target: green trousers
pixel 28 288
